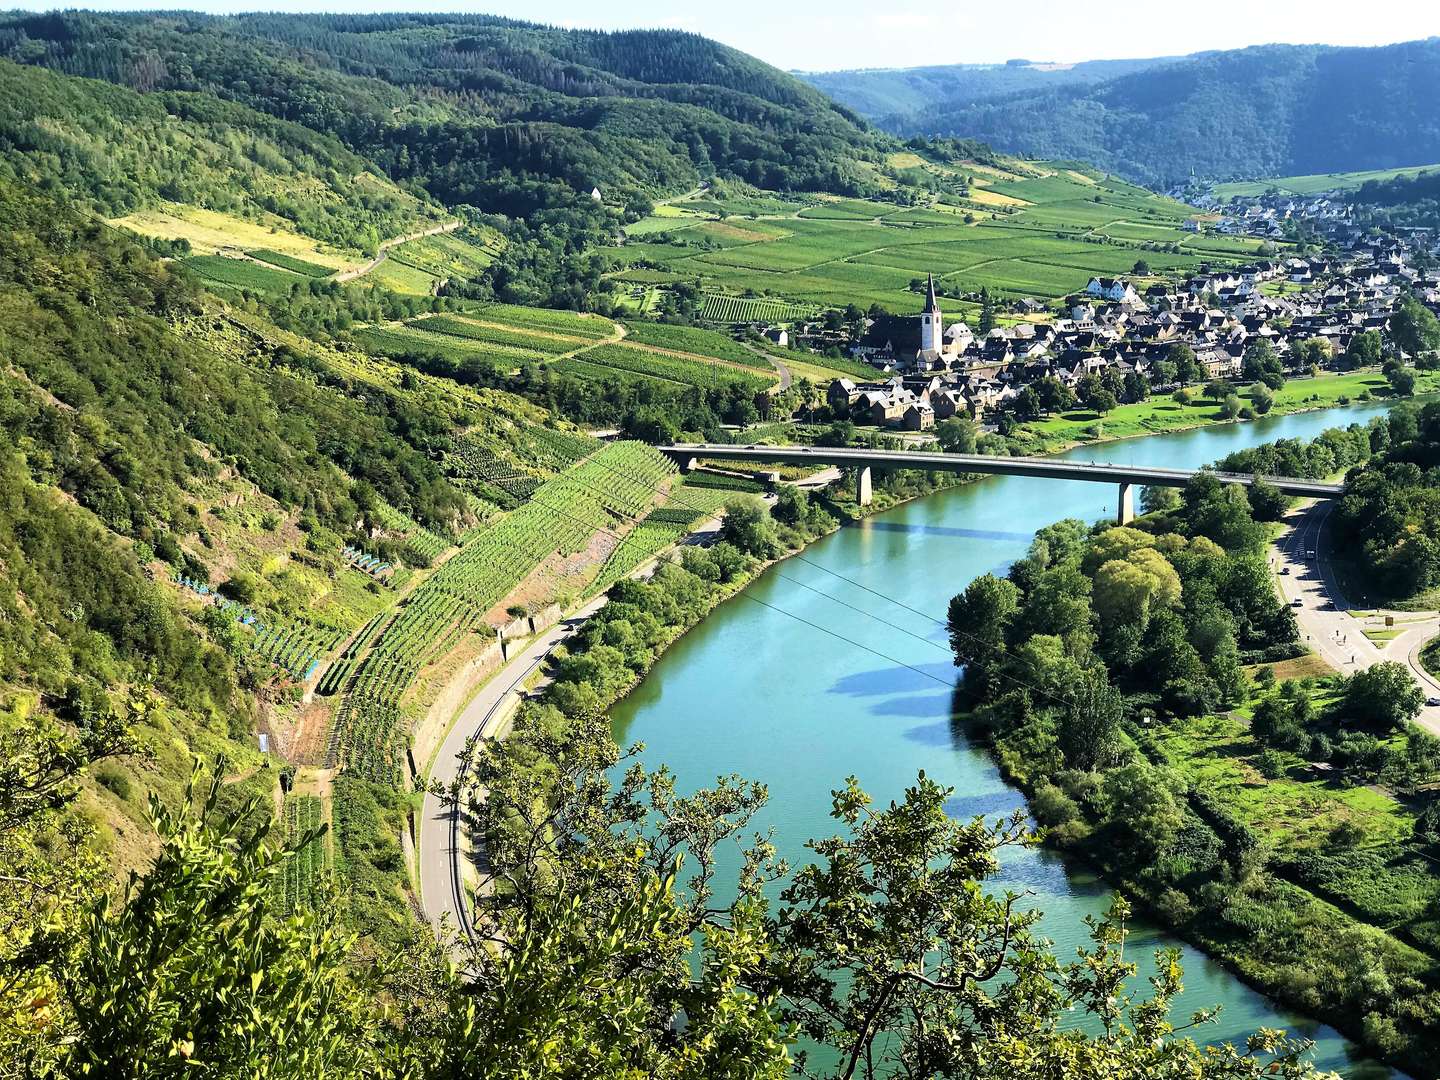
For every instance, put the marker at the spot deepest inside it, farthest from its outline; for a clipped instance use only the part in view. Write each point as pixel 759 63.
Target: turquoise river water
pixel 755 692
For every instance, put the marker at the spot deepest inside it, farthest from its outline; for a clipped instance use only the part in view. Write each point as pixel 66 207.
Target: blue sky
pixel 825 35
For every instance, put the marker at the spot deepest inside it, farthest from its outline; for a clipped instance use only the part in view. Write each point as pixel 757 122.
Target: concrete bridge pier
pixel 689 464
pixel 864 491
pixel 1126 511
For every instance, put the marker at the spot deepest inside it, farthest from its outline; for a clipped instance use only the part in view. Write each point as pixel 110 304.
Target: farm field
pixel 640 361
pixel 1058 230
pixel 243 274
pixel 1312 183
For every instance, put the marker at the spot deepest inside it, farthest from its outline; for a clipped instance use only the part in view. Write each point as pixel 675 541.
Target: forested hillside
pixel 483 111
pixel 113 151
pixel 883 92
pixel 1272 110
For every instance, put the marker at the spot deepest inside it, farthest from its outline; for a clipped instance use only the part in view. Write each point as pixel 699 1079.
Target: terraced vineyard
pixel 691 339
pixel 458 326
pixel 639 361
pixel 418 539
pixel 303 876
pixel 290 262
pixel 447 255
pixel 401 341
pixel 618 482
pixel 721 307
pixel 242 274
pixel 569 323
pixel 490 476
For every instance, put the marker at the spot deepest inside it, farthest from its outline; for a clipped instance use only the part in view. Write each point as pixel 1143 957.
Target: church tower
pixel 932 323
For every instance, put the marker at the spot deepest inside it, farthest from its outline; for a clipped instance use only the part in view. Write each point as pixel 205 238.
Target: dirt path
pixel 386 245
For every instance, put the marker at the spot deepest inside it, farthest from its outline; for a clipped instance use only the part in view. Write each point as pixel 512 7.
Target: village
pixel 1116 344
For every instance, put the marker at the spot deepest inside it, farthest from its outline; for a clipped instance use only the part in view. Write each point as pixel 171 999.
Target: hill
pixel 1273 110
pixel 496 114
pixel 881 92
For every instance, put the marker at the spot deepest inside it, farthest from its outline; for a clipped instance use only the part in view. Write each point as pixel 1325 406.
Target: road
pixel 1325 616
pixel 385 246
pixel 443 846
pixel 442 840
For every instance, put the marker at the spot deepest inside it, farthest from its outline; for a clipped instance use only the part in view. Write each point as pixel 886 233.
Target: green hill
pixel 484 111
pixel 1273 110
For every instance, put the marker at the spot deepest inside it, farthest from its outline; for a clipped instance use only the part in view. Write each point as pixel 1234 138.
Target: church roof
pixel 931 303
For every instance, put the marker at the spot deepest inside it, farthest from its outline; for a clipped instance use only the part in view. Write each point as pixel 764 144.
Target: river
pixel 754 691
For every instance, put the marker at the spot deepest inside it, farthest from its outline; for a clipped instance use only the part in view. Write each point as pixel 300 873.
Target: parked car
pixel 1432 701
pixel 1297 602
pixel 1284 571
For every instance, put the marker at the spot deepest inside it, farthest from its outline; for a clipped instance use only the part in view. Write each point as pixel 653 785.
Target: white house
pixel 1112 289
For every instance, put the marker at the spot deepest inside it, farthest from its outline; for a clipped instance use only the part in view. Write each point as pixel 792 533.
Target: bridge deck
pixel 1046 468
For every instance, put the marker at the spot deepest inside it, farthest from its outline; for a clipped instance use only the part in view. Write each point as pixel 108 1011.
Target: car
pixel 1310 553
pixel 1432 701
pixel 1284 571
pixel 1297 602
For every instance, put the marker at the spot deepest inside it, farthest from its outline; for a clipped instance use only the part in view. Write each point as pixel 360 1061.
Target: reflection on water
pixel 755 692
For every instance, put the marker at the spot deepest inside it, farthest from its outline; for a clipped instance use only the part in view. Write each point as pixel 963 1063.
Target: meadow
pixel 1312 183
pixel 1054 231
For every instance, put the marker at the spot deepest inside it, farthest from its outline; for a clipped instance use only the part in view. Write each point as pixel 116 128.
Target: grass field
pixel 689 339
pixel 209 231
pixel 1059 229
pixel 1313 183
pixel 1163 413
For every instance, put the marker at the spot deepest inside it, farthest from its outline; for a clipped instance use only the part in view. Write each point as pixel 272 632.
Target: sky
pixel 829 35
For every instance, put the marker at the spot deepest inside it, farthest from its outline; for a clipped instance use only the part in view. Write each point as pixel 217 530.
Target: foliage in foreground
pixel 887 951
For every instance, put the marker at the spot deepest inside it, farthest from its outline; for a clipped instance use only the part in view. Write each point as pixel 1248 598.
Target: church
pixel 915 344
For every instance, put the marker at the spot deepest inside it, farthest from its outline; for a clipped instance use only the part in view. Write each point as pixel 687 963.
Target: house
pixel 595 194
pixel 1112 289
pixel 778 334
pixel 840 395
pixel 918 417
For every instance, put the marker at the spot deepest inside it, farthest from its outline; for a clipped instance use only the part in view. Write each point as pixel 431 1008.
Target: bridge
pixel 1125 477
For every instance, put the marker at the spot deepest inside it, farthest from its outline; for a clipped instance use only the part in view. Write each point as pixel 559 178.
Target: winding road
pixel 1325 616
pixel 383 251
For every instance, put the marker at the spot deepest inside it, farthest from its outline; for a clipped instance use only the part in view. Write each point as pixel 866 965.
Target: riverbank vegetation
pixel 1121 677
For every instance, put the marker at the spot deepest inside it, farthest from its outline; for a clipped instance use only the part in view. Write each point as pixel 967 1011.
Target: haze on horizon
pixel 808 35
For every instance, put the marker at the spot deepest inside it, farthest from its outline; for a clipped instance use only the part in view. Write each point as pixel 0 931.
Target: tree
pixel 1141 268
pixel 1158 499
pixel 1261 398
pixel 1187 367
pixel 987 313
pixel 1384 696
pixel 977 620
pixel 1054 395
pixel 1364 349
pixel 1103 401
pixel 1267 502
pixel 1311 354
pixel 1230 407
pixel 1089 732
pixel 1402 381
pixel 1261 362
pixel 957 435
pixel 1218 389
pixel 1414 328
pixel 747 525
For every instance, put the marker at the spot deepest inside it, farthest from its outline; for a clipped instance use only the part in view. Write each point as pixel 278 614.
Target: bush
pixel 115 780
pixel 1271 764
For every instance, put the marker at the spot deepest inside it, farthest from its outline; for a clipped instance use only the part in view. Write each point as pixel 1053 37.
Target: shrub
pixel 1271 764
pixel 114 780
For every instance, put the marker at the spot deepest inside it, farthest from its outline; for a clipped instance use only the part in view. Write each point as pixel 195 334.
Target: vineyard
pixel 303 875
pixel 407 341
pixel 720 307
pixel 532 341
pixel 426 545
pixel 546 320
pixel 242 274
pixel 295 649
pixel 477 466
pixel 691 339
pixel 618 482
pixel 658 366
pixel 446 255
pixel 290 262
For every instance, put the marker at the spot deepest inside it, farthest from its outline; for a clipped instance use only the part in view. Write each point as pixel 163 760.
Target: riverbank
pixel 1159 415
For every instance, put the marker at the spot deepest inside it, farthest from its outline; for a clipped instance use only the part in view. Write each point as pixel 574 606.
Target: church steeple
pixel 932 323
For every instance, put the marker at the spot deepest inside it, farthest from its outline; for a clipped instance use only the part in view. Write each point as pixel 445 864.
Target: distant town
pixel 1120 339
